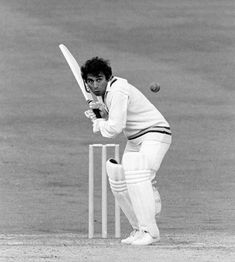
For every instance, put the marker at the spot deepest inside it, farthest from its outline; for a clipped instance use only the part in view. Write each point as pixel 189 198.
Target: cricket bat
pixel 75 68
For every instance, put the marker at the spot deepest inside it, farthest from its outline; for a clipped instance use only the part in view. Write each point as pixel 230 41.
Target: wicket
pixel 104 190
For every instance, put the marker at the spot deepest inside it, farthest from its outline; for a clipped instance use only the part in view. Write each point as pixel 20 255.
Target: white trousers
pixel 154 152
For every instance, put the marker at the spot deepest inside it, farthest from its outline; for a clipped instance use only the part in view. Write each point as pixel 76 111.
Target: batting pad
pixel 158 203
pixel 140 191
pixel 119 188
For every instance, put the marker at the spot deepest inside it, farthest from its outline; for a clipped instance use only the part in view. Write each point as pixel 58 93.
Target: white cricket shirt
pixel 132 113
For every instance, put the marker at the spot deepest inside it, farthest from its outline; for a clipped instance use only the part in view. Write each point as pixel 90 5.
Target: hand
pixel 101 107
pixel 96 124
pixel 96 105
pixel 90 114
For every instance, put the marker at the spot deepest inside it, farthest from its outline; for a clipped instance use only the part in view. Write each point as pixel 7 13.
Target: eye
pixel 89 81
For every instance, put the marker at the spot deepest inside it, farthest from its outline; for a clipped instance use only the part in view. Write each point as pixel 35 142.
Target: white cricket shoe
pixel 132 237
pixel 144 239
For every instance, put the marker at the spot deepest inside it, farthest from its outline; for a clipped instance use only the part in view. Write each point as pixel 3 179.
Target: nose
pixel 95 84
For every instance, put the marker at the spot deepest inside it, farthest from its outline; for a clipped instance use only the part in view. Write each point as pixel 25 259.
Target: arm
pixel 116 121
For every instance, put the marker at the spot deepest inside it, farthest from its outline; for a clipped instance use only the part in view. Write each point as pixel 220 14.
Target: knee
pixel 156 166
pixel 135 167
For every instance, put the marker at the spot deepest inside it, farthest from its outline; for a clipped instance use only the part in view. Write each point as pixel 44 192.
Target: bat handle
pixel 95 110
pixel 97 113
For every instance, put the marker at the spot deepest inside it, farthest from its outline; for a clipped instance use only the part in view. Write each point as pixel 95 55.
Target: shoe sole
pixel 155 240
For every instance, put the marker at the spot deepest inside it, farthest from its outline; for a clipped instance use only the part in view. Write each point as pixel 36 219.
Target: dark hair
pixel 95 66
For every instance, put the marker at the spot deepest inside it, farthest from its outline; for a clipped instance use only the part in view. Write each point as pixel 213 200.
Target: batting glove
pixel 90 114
pixel 101 107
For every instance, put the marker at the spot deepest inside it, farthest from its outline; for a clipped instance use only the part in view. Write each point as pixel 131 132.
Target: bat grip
pixel 97 113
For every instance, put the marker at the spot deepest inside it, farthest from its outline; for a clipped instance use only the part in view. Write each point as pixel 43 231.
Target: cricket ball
pixel 154 87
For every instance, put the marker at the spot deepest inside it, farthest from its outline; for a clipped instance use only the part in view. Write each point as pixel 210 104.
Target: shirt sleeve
pixel 117 116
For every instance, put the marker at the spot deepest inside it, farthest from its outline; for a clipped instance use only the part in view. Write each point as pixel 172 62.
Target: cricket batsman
pixel 133 181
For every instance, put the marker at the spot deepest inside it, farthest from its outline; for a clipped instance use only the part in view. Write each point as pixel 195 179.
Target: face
pixel 97 84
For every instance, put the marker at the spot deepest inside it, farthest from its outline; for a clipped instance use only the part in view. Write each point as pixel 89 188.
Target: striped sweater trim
pixel 155 129
pixel 113 81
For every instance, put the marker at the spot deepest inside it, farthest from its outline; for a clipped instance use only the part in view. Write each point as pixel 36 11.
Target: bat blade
pixel 75 68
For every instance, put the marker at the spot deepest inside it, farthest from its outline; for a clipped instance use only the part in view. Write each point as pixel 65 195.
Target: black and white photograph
pixel 117 130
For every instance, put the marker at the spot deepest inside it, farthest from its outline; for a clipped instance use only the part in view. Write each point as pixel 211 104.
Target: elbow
pixel 116 127
pixel 110 130
pixel 117 130
pixel 114 131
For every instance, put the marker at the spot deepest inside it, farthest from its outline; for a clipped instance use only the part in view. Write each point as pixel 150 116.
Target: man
pixel 125 109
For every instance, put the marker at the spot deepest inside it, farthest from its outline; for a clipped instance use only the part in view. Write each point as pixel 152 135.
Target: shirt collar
pixel 110 82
